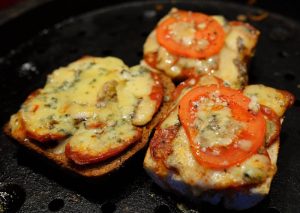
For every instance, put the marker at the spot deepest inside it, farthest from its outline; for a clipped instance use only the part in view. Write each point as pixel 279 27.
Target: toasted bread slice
pixel 237 45
pixel 84 119
pixel 173 166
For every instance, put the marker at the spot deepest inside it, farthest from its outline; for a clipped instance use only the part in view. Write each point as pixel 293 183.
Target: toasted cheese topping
pixel 254 170
pixel 183 32
pixel 229 64
pixel 95 104
pixel 277 100
pixel 259 168
pixel 216 127
pixel 171 119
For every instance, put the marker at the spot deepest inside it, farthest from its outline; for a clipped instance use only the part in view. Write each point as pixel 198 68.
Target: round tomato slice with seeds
pixel 192 35
pixel 247 130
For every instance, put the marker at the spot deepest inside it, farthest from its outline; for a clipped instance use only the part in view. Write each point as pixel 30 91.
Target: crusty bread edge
pixel 103 168
pixel 240 198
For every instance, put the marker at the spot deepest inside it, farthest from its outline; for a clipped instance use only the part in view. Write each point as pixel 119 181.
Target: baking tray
pixel 120 30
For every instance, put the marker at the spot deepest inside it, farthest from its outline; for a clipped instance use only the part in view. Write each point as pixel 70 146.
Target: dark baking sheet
pixel 120 30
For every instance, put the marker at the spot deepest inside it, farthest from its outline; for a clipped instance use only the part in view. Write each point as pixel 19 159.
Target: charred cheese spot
pixel 92 106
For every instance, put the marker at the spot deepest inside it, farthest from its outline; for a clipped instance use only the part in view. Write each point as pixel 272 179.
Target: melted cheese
pixel 215 127
pixel 269 97
pixel 95 142
pixel 171 120
pixel 94 104
pixel 228 70
pixel 258 169
pixel 254 170
pixel 183 32
pixel 134 96
pixel 229 64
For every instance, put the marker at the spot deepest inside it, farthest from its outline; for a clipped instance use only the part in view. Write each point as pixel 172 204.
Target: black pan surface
pixel 120 31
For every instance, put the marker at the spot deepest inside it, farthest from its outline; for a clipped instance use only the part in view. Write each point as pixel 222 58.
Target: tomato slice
pixel 252 132
pixel 206 38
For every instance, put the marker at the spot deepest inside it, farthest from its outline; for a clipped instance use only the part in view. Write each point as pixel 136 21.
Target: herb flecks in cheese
pixel 256 169
pixel 229 64
pixel 214 122
pixel 95 104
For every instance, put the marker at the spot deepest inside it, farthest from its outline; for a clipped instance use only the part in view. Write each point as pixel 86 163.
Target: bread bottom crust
pixel 237 198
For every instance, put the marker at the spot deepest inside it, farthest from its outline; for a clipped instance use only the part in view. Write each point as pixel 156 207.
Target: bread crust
pixel 238 198
pixel 232 197
pixel 102 168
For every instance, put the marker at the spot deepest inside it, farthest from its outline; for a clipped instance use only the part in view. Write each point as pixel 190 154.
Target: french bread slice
pixel 54 150
pixel 181 174
pixel 229 64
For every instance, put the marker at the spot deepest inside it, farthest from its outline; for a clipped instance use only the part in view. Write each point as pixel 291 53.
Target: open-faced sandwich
pixel 92 115
pixel 218 144
pixel 186 43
